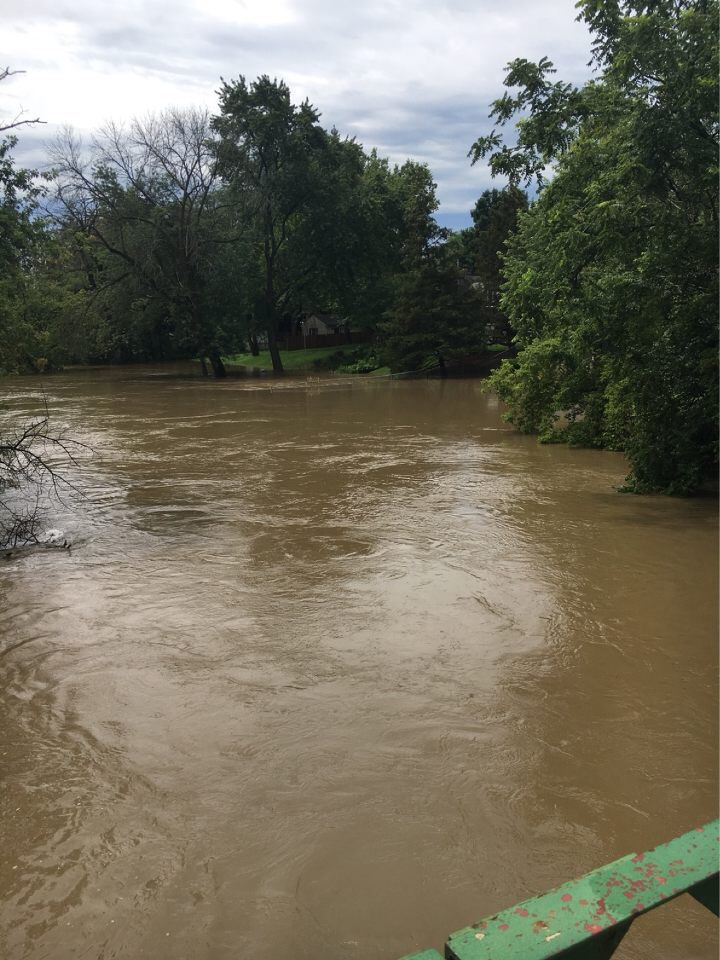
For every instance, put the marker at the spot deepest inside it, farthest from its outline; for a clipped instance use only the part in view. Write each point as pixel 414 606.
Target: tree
pixel 417 201
pixel 18 120
pixel 611 279
pixel 386 229
pixel 331 226
pixel 144 208
pixel 20 234
pixel 437 317
pixel 495 217
pixel 274 155
pixel 28 455
pixel 480 249
pixel 28 467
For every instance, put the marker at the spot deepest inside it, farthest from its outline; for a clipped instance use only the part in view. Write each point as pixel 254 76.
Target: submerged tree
pixel 33 462
pixel 611 278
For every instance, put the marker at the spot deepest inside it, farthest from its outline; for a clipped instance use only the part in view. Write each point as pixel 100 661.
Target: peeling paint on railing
pixel 588 917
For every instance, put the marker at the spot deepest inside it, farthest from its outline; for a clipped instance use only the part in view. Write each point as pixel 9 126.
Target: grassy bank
pixel 339 360
pixel 311 360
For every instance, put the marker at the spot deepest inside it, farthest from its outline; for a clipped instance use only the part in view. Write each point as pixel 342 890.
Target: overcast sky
pixel 411 77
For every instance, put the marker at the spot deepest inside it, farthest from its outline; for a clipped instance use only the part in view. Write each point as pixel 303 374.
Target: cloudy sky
pixel 412 77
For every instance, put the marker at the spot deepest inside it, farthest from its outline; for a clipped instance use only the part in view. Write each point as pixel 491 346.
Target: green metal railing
pixel 587 918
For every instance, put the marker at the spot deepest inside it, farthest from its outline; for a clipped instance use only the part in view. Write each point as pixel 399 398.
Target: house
pixel 321 324
pixel 318 330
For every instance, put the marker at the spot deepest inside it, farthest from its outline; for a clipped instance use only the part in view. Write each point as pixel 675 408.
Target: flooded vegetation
pixel 334 667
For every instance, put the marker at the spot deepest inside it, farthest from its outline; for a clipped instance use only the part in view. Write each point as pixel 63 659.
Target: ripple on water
pixel 331 663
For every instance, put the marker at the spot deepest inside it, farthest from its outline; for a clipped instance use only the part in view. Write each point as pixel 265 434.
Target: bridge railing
pixel 585 919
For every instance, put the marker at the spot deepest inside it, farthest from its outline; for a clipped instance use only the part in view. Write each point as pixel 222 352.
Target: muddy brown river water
pixel 335 668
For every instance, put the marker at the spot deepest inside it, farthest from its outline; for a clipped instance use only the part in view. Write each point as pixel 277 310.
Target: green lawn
pixel 302 361
pixel 292 360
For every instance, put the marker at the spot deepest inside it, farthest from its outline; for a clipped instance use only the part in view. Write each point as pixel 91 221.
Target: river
pixel 333 668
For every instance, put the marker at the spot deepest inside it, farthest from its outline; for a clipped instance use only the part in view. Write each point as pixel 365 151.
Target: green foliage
pixel 611 277
pixel 495 218
pixel 363 359
pixel 140 217
pixel 312 359
pixel 478 252
pixel 390 230
pixel 175 236
pixel 437 317
pixel 275 157
pixel 20 236
pixel 331 226
pixel 553 114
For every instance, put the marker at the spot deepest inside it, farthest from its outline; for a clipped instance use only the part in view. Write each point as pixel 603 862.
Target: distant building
pixel 318 330
pixel 321 324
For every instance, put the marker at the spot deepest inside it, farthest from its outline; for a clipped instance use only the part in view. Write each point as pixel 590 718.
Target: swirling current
pixel 335 667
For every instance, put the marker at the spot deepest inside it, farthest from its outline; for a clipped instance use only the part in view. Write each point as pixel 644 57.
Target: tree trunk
pixel 254 346
pixel 219 371
pixel 270 317
pixel 203 365
pixel 273 347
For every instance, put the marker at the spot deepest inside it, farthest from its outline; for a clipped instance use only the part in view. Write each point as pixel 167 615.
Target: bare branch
pixel 27 465
pixel 16 122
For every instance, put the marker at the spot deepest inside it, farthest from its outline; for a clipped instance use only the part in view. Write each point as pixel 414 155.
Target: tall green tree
pixel 436 317
pixel 479 250
pixel 390 232
pixel 273 153
pixel 333 227
pixel 495 217
pixel 611 278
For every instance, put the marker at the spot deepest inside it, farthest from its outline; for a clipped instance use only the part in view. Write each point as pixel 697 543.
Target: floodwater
pixel 335 668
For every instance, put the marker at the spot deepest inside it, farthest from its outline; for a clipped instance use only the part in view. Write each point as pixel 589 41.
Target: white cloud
pixel 412 77
pixel 259 13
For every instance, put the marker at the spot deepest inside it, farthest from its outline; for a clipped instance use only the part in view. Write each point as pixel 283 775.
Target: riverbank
pixel 359 359
pixel 314 359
